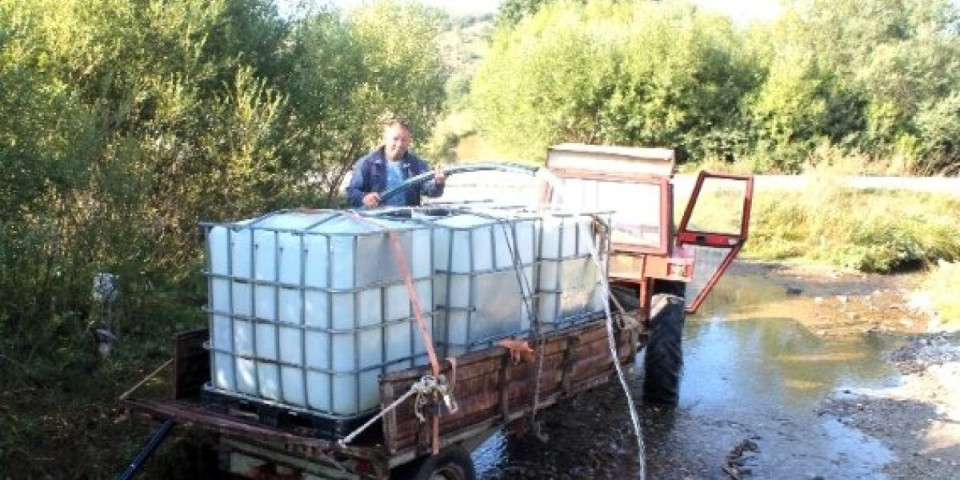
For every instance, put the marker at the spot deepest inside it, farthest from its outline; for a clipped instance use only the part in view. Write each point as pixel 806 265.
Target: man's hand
pixel 439 177
pixel 371 200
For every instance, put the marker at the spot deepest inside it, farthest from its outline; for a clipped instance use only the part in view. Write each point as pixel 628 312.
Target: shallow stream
pixel 755 372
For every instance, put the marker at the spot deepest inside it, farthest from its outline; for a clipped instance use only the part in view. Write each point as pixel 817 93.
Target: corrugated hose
pixel 416 181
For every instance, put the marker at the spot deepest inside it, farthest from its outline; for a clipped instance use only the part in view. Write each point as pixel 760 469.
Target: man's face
pixel 396 139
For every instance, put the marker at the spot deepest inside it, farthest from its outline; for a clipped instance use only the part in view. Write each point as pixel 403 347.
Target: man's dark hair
pixel 391 119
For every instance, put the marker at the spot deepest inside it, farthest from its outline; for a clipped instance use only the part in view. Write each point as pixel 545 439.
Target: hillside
pixel 464 41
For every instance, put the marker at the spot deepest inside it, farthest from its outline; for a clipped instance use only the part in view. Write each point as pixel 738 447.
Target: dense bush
pixel 123 125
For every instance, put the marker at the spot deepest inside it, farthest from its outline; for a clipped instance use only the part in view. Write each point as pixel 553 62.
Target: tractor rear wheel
pixel 663 355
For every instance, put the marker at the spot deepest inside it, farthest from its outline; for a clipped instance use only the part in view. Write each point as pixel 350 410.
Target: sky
pixel 742 11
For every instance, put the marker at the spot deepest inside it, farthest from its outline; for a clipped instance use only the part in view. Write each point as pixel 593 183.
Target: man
pixel 388 166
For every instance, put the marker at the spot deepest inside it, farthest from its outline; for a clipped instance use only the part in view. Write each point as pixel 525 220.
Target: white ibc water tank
pixel 308 308
pixel 568 278
pixel 485 261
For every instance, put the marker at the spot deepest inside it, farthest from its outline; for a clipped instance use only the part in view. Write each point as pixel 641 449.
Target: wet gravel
pixel 919 418
pixel 925 351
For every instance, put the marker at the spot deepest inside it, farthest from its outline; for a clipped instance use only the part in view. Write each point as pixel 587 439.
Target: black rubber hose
pixel 416 181
pixel 155 440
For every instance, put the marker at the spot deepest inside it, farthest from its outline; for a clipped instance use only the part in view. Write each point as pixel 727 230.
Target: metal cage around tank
pixel 308 309
pixel 485 276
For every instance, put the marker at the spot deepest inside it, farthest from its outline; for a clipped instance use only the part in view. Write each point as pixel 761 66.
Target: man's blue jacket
pixel 369 175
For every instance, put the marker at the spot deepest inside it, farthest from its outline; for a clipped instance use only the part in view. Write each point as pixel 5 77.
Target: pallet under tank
pixel 491 388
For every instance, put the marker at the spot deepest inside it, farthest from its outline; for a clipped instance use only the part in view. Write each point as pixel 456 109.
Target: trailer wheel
pixel 663 358
pixel 452 463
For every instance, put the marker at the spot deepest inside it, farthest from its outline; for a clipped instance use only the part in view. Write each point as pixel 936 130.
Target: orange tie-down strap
pixel 414 298
pixel 448 400
pixel 445 395
pixel 421 324
pixel 415 301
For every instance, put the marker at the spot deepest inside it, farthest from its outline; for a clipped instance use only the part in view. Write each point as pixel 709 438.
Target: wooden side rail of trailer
pixel 491 387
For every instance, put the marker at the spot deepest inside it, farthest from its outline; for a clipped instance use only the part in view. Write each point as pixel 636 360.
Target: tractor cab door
pixel 714 228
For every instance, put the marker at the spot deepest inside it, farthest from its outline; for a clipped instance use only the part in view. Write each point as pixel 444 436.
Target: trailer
pixel 431 416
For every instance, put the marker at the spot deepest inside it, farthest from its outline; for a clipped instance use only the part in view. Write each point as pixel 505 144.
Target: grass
pixel 942 284
pixel 70 425
pixel 870 231
pixel 826 222
pixel 59 406
pixel 829 223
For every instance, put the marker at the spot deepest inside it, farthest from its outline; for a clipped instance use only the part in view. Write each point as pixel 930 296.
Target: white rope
pixel 428 384
pixel 634 417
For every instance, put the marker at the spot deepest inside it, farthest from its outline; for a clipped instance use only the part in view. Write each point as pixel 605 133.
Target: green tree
pixel 120 129
pixel 641 73
pixel 874 71
pixel 349 72
pixel 511 12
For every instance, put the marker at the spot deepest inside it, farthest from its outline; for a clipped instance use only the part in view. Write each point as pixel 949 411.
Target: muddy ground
pixel 882 399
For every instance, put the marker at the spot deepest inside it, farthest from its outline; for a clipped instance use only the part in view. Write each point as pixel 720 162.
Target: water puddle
pixel 757 364
pixel 775 361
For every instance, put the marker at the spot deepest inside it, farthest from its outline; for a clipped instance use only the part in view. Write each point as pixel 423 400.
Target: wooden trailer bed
pixel 490 387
